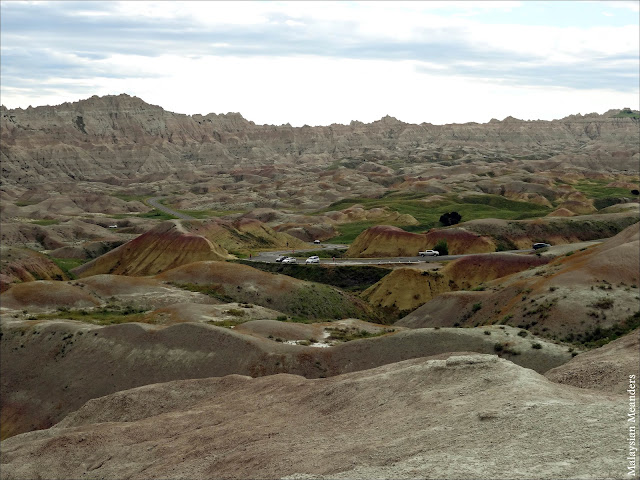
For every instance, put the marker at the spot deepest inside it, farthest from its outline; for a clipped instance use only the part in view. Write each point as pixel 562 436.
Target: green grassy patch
pixel 204 214
pixel 108 315
pixel 321 301
pixel 351 333
pixel 348 277
pixel 67 264
pixel 627 113
pixel 470 207
pixel 598 189
pixel 156 215
pixel 349 231
pixel 600 336
pixel 45 223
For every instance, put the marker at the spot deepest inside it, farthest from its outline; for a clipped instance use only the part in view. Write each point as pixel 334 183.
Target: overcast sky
pixel 319 63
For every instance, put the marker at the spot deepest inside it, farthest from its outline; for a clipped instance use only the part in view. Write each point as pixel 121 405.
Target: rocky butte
pixel 148 332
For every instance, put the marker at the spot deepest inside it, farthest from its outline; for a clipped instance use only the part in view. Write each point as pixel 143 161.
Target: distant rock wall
pixel 124 137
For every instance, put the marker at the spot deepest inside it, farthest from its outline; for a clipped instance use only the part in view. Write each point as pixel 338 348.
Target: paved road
pixel 270 257
pixel 155 203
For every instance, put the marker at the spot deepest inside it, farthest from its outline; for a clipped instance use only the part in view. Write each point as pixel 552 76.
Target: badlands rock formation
pixel 568 298
pixel 408 288
pixel 606 368
pixel 443 418
pixel 123 137
pixel 388 241
pixel 175 242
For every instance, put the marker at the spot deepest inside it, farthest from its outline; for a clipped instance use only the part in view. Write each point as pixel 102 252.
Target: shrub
pixel 442 247
pixel 235 312
pixel 487 332
pixel 523 333
pixel 450 218
pixel 476 307
pixel 603 303
pixel 536 346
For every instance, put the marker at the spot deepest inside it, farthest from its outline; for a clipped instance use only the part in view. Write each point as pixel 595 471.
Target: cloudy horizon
pixel 319 63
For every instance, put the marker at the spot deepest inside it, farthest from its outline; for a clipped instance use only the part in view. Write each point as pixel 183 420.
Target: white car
pixel 313 259
pixel 429 253
pixel 317 242
pixel 289 260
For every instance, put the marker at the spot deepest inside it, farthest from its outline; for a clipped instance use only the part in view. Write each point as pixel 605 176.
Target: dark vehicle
pixel 280 258
pixel 536 246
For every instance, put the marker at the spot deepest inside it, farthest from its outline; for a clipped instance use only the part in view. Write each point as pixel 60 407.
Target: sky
pixel 318 63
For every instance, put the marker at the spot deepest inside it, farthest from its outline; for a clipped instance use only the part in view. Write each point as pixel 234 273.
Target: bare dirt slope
pixel 78 361
pixel 606 368
pixel 23 265
pixel 408 288
pixel 569 298
pixel 175 242
pixel 389 241
pixel 242 283
pixel 415 419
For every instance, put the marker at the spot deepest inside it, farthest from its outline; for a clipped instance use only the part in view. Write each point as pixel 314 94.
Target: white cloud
pixel 321 91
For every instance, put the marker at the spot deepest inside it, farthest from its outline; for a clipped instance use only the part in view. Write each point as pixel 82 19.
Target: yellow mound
pixel 46 295
pixel 388 241
pixel 408 288
pixel 561 212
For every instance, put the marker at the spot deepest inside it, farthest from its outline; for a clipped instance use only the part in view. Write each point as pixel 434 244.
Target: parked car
pixel 289 260
pixel 429 253
pixel 280 258
pixel 313 259
pixel 317 242
pixel 536 246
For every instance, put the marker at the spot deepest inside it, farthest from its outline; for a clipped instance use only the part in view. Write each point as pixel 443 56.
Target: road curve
pixel 270 257
pixel 155 203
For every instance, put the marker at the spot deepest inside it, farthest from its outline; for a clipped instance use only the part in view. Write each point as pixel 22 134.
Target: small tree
pixel 450 218
pixel 441 247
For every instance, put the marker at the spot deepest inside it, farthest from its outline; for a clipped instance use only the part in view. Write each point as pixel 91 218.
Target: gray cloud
pixel 31 32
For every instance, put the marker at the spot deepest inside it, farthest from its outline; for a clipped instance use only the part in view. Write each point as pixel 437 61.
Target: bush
pixel 442 247
pixel 451 218
pixel 603 303
pixel 536 346
pixel 476 307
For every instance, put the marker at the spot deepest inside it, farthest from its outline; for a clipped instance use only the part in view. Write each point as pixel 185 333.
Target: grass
pixel 109 315
pixel 45 223
pixel 204 214
pixel 130 198
pixel 349 231
pixel 156 215
pixel 627 113
pixel 597 189
pixel 66 264
pixel 347 277
pixel 601 336
pixel 214 290
pixel 469 207
pixel 349 334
